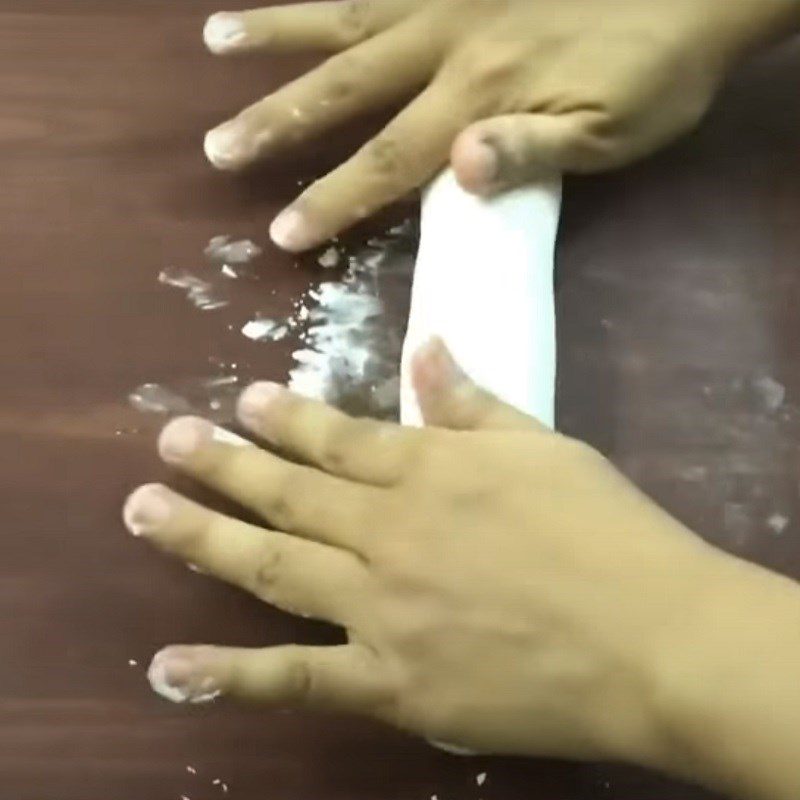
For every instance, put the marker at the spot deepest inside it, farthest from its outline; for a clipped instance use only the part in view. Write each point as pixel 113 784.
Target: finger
pixel 371 74
pixel 292 498
pixel 299 576
pixel 329 26
pixel 449 399
pixel 344 678
pixel 407 154
pixel 361 450
pixel 499 153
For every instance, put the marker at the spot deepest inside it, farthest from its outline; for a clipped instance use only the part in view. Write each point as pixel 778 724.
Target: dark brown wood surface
pixel 678 297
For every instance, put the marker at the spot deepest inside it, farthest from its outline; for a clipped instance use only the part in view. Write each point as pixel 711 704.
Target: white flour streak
pixel 198 292
pixel 155 399
pixel 222 249
pixel 339 344
pixel 330 258
pixel 777 523
pixel 265 330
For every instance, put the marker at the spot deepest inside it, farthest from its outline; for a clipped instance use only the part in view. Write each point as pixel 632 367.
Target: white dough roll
pixel 483 282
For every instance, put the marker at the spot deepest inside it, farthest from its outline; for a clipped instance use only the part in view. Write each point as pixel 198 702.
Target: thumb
pixel 503 152
pixel 449 399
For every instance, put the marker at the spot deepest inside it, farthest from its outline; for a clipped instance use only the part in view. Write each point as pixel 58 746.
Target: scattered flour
pixel 198 292
pixel 771 393
pixel 264 330
pixel 225 251
pixel 777 523
pixel 330 258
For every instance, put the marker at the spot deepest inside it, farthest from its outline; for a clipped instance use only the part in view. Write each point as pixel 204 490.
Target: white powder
pixel 156 399
pixel 191 770
pixel 132 662
pixel 777 523
pixel 339 347
pixel 261 330
pixel 198 292
pixel 771 393
pixel 480 778
pixel 223 250
pixel 214 397
pixel 330 258
pixel 453 749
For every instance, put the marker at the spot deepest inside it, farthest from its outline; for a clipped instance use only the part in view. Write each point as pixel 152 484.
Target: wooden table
pixel 678 297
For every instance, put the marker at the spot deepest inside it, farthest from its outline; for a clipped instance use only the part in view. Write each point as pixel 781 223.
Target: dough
pixel 483 281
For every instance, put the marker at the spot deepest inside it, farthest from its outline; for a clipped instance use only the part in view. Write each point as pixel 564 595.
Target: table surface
pixel 677 295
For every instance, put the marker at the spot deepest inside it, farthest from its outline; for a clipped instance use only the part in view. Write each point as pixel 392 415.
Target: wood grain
pixel 678 290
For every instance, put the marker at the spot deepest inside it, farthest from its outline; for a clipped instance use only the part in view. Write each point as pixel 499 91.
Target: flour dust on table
pixel 348 344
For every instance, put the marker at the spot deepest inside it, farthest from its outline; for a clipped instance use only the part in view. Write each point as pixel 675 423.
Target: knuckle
pixel 346 74
pixel 354 21
pixel 345 441
pixel 267 573
pixel 283 507
pixel 387 159
pixel 298 676
pixel 337 449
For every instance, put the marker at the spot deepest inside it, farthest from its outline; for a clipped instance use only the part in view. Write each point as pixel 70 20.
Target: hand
pixel 503 588
pixel 512 89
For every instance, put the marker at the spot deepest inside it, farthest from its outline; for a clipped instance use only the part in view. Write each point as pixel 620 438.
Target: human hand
pixel 503 588
pixel 512 89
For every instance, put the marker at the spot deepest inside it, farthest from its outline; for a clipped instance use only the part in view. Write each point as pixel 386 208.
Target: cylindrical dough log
pixel 483 282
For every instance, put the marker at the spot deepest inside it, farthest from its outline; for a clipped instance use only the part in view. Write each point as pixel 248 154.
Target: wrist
pixel 725 705
pixel 733 29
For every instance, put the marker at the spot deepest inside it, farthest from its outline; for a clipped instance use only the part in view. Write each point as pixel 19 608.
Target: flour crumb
pixel 777 523
pixel 771 393
pixel 480 779
pixel 260 330
pixel 330 258
pixel 241 251
pixel 694 474
pixel 132 662
pixel 198 292
pixel 191 770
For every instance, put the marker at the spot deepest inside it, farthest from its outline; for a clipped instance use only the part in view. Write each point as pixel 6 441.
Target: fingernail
pixel 436 367
pixel 224 32
pixel 182 438
pixel 177 675
pixel 486 163
pixel 477 163
pixel 289 231
pixel 229 146
pixel 255 401
pixel 147 509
